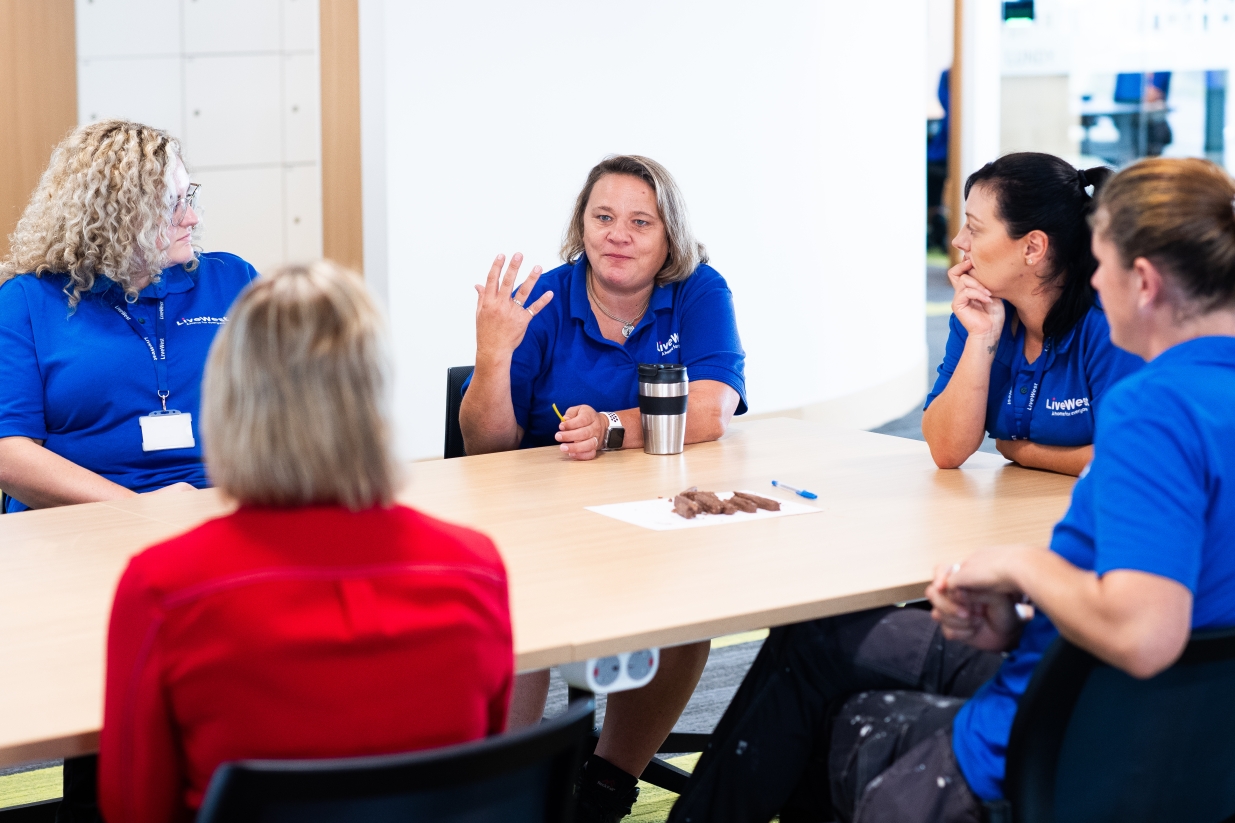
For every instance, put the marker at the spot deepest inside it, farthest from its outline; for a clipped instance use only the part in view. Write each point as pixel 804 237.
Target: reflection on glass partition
pixel 1111 81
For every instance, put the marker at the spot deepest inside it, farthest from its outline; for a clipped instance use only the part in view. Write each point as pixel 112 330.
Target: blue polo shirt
pixel 1077 371
pixel 1159 497
pixel 564 359
pixel 80 381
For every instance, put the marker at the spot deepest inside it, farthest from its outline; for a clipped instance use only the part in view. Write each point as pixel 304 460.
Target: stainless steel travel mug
pixel 663 389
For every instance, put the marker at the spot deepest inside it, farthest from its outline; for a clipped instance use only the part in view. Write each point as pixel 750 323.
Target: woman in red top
pixel 320 619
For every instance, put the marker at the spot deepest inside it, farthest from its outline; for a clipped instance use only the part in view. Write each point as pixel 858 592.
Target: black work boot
pixel 604 793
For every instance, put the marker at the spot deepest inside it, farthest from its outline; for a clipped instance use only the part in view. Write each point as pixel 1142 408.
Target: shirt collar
pixel 581 308
pixel 1058 347
pixel 1212 349
pixel 172 280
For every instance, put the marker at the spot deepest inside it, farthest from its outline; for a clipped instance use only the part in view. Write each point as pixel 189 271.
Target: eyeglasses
pixel 180 209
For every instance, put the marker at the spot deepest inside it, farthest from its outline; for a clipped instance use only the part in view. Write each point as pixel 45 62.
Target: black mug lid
pixel 662 373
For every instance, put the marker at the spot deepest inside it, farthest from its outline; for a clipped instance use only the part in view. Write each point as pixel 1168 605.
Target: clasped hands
pixel 975 601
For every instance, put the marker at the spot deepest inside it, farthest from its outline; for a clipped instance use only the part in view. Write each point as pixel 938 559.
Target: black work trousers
pixel 847 717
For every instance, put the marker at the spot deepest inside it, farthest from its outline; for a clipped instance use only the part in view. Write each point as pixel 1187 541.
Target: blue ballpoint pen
pixel 802 492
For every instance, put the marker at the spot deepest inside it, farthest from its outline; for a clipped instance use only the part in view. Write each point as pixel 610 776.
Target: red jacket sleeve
pixel 139 762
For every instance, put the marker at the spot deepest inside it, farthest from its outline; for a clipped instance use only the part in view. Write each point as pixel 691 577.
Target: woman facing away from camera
pixel 320 619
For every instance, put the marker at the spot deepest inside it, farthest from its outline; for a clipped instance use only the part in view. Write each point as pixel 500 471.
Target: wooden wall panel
pixel 342 218
pixel 38 97
pixel 953 187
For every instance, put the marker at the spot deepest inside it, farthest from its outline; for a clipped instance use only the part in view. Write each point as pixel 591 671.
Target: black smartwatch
pixel 614 435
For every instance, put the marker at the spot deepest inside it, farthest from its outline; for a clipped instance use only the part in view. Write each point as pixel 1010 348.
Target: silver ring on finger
pixel 517 302
pixel 529 311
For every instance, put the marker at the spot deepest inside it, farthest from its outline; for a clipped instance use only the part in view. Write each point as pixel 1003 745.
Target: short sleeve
pixel 710 346
pixel 1149 488
pixel 1105 363
pixel 957 337
pixel 21 390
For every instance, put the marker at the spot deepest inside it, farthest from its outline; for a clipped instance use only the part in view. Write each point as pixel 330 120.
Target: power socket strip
pixel 616 673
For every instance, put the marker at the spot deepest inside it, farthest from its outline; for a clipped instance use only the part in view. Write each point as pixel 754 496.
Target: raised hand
pixel 501 320
pixel 981 314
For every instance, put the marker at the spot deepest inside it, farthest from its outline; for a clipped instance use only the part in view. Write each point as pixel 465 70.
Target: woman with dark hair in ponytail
pixel 1029 355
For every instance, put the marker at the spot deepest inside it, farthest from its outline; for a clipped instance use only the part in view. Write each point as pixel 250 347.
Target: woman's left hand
pixel 1011 449
pixel 580 432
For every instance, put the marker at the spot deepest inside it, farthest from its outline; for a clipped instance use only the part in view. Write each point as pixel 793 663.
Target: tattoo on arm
pixel 991 348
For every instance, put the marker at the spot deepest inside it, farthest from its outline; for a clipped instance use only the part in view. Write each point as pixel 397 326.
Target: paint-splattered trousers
pixel 847 718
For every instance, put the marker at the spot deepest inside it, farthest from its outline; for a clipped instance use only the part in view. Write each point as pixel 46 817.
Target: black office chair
pixel 525 776
pixel 658 773
pixel 456 376
pixel 1093 744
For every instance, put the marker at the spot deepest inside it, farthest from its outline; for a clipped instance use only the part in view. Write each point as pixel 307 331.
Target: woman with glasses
pixel 106 315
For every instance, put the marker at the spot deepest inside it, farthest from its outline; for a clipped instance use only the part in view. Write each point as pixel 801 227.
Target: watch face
pixel 614 439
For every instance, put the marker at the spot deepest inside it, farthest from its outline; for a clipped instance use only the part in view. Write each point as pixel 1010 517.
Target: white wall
pixel 794 129
pixel 238 82
pixel 981 84
pixel 939 35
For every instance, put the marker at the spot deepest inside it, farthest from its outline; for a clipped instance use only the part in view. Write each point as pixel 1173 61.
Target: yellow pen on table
pixel 558 413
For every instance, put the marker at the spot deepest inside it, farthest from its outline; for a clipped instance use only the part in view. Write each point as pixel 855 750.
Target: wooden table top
pixel 582 585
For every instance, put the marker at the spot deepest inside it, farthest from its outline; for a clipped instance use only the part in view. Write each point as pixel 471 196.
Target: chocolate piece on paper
pixel 762 502
pixel 741 504
pixel 708 501
pixel 685 507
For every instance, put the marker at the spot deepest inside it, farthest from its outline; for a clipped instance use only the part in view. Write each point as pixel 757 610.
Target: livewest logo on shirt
pixel 203 320
pixel 672 345
pixel 1067 407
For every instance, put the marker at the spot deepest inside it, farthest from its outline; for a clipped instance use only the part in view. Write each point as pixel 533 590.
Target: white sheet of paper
pixel 658 514
pixel 166 431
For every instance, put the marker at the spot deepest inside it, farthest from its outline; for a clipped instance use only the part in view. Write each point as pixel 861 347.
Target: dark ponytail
pixel 1035 191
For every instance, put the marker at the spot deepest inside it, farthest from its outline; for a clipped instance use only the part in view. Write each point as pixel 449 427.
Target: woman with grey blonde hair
pixel 635 288
pixel 320 619
pixel 106 314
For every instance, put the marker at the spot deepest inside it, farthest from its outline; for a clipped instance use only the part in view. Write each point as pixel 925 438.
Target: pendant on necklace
pixel 628 329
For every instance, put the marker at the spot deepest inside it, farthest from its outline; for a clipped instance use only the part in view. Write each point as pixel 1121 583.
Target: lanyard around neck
pixel 158 347
pixel 1024 417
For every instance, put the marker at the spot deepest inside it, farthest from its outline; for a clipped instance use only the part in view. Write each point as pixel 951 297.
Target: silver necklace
pixel 628 326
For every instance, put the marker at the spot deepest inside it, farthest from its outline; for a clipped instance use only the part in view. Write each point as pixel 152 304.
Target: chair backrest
pixel 1093 744
pixel 525 776
pixel 456 376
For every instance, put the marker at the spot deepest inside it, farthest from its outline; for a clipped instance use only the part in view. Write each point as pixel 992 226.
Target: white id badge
pixel 166 430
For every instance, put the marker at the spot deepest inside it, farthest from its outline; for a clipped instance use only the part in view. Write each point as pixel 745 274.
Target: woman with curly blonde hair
pixel 106 316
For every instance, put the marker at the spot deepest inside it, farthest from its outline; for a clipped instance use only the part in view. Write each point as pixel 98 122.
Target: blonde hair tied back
pixel 1178 213
pixel 101 208
pixel 295 397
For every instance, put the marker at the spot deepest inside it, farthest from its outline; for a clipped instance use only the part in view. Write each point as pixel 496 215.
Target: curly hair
pixel 101 209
